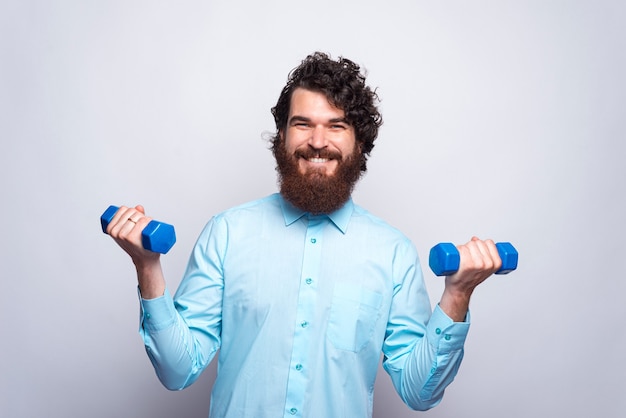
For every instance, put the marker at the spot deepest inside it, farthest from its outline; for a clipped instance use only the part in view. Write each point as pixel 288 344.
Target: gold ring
pixel 135 222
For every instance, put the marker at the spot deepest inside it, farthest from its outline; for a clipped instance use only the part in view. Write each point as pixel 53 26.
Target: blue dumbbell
pixel 444 258
pixel 157 236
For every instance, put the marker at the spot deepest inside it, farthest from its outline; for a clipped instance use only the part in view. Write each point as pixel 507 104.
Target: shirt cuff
pixel 445 334
pixel 158 313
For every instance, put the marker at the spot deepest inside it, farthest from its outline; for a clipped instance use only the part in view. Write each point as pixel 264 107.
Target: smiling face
pixel 317 133
pixel 318 159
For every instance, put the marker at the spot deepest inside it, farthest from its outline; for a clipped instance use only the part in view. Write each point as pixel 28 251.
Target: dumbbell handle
pixel 157 236
pixel 444 258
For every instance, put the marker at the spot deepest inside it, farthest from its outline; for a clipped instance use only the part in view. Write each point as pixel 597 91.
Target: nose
pixel 318 138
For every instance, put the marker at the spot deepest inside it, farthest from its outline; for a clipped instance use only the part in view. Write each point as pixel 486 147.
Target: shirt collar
pixel 340 217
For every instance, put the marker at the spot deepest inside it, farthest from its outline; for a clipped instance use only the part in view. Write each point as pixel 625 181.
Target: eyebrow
pixel 297 118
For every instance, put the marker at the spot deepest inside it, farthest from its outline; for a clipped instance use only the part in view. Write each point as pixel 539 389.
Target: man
pixel 302 290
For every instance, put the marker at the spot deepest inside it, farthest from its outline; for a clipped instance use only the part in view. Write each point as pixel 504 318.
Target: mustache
pixel 308 152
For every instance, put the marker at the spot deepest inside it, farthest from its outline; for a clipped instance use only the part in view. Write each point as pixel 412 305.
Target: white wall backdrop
pixel 503 119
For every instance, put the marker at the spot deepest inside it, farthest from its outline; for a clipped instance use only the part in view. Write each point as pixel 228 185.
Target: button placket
pixel 307 295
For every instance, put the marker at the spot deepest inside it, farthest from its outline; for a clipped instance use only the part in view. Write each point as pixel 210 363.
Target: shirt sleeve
pixel 182 334
pixel 422 350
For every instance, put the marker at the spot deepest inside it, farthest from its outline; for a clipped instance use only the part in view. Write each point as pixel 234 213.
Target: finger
pixel 481 246
pixel 475 245
pixel 134 223
pixel 479 256
pixel 142 223
pixel 468 253
pixel 494 254
pixel 489 255
pixel 476 260
pixel 133 226
pixel 114 224
pixel 128 236
pixel 125 221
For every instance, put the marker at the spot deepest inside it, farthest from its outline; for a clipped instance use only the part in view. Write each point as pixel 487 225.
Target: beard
pixel 315 191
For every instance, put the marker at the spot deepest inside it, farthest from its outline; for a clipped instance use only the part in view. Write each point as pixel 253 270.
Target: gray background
pixel 503 119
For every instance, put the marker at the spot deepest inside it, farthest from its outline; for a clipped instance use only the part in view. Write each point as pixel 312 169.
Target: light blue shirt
pixel 300 308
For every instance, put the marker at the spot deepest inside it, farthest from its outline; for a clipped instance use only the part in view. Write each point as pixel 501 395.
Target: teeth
pixel 318 160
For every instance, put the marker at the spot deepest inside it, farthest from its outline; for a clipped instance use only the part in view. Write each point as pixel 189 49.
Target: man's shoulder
pixel 365 218
pixel 250 208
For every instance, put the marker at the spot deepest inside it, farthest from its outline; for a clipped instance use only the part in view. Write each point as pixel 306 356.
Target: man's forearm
pixel 150 279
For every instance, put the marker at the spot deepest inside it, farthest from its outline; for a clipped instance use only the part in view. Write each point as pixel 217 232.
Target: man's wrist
pixel 150 279
pixel 455 304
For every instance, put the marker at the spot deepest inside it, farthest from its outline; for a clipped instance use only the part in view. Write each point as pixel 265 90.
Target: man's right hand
pixel 125 228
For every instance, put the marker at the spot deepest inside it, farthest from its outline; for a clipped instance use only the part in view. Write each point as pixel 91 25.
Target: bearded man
pixel 302 290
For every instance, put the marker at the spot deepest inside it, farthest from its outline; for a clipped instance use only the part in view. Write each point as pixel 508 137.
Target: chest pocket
pixel 353 314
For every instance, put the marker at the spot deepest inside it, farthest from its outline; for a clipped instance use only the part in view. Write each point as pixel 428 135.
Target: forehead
pixel 312 103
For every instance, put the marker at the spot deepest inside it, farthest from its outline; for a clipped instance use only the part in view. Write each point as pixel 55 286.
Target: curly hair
pixel 344 86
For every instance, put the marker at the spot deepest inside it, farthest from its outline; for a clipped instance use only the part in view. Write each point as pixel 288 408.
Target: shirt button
pixel 148 316
pixel 293 411
pixel 304 324
pixel 309 280
pixel 313 240
pixel 447 337
pixel 298 367
pixel 438 331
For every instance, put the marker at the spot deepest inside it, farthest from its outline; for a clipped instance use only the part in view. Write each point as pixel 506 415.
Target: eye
pixel 300 124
